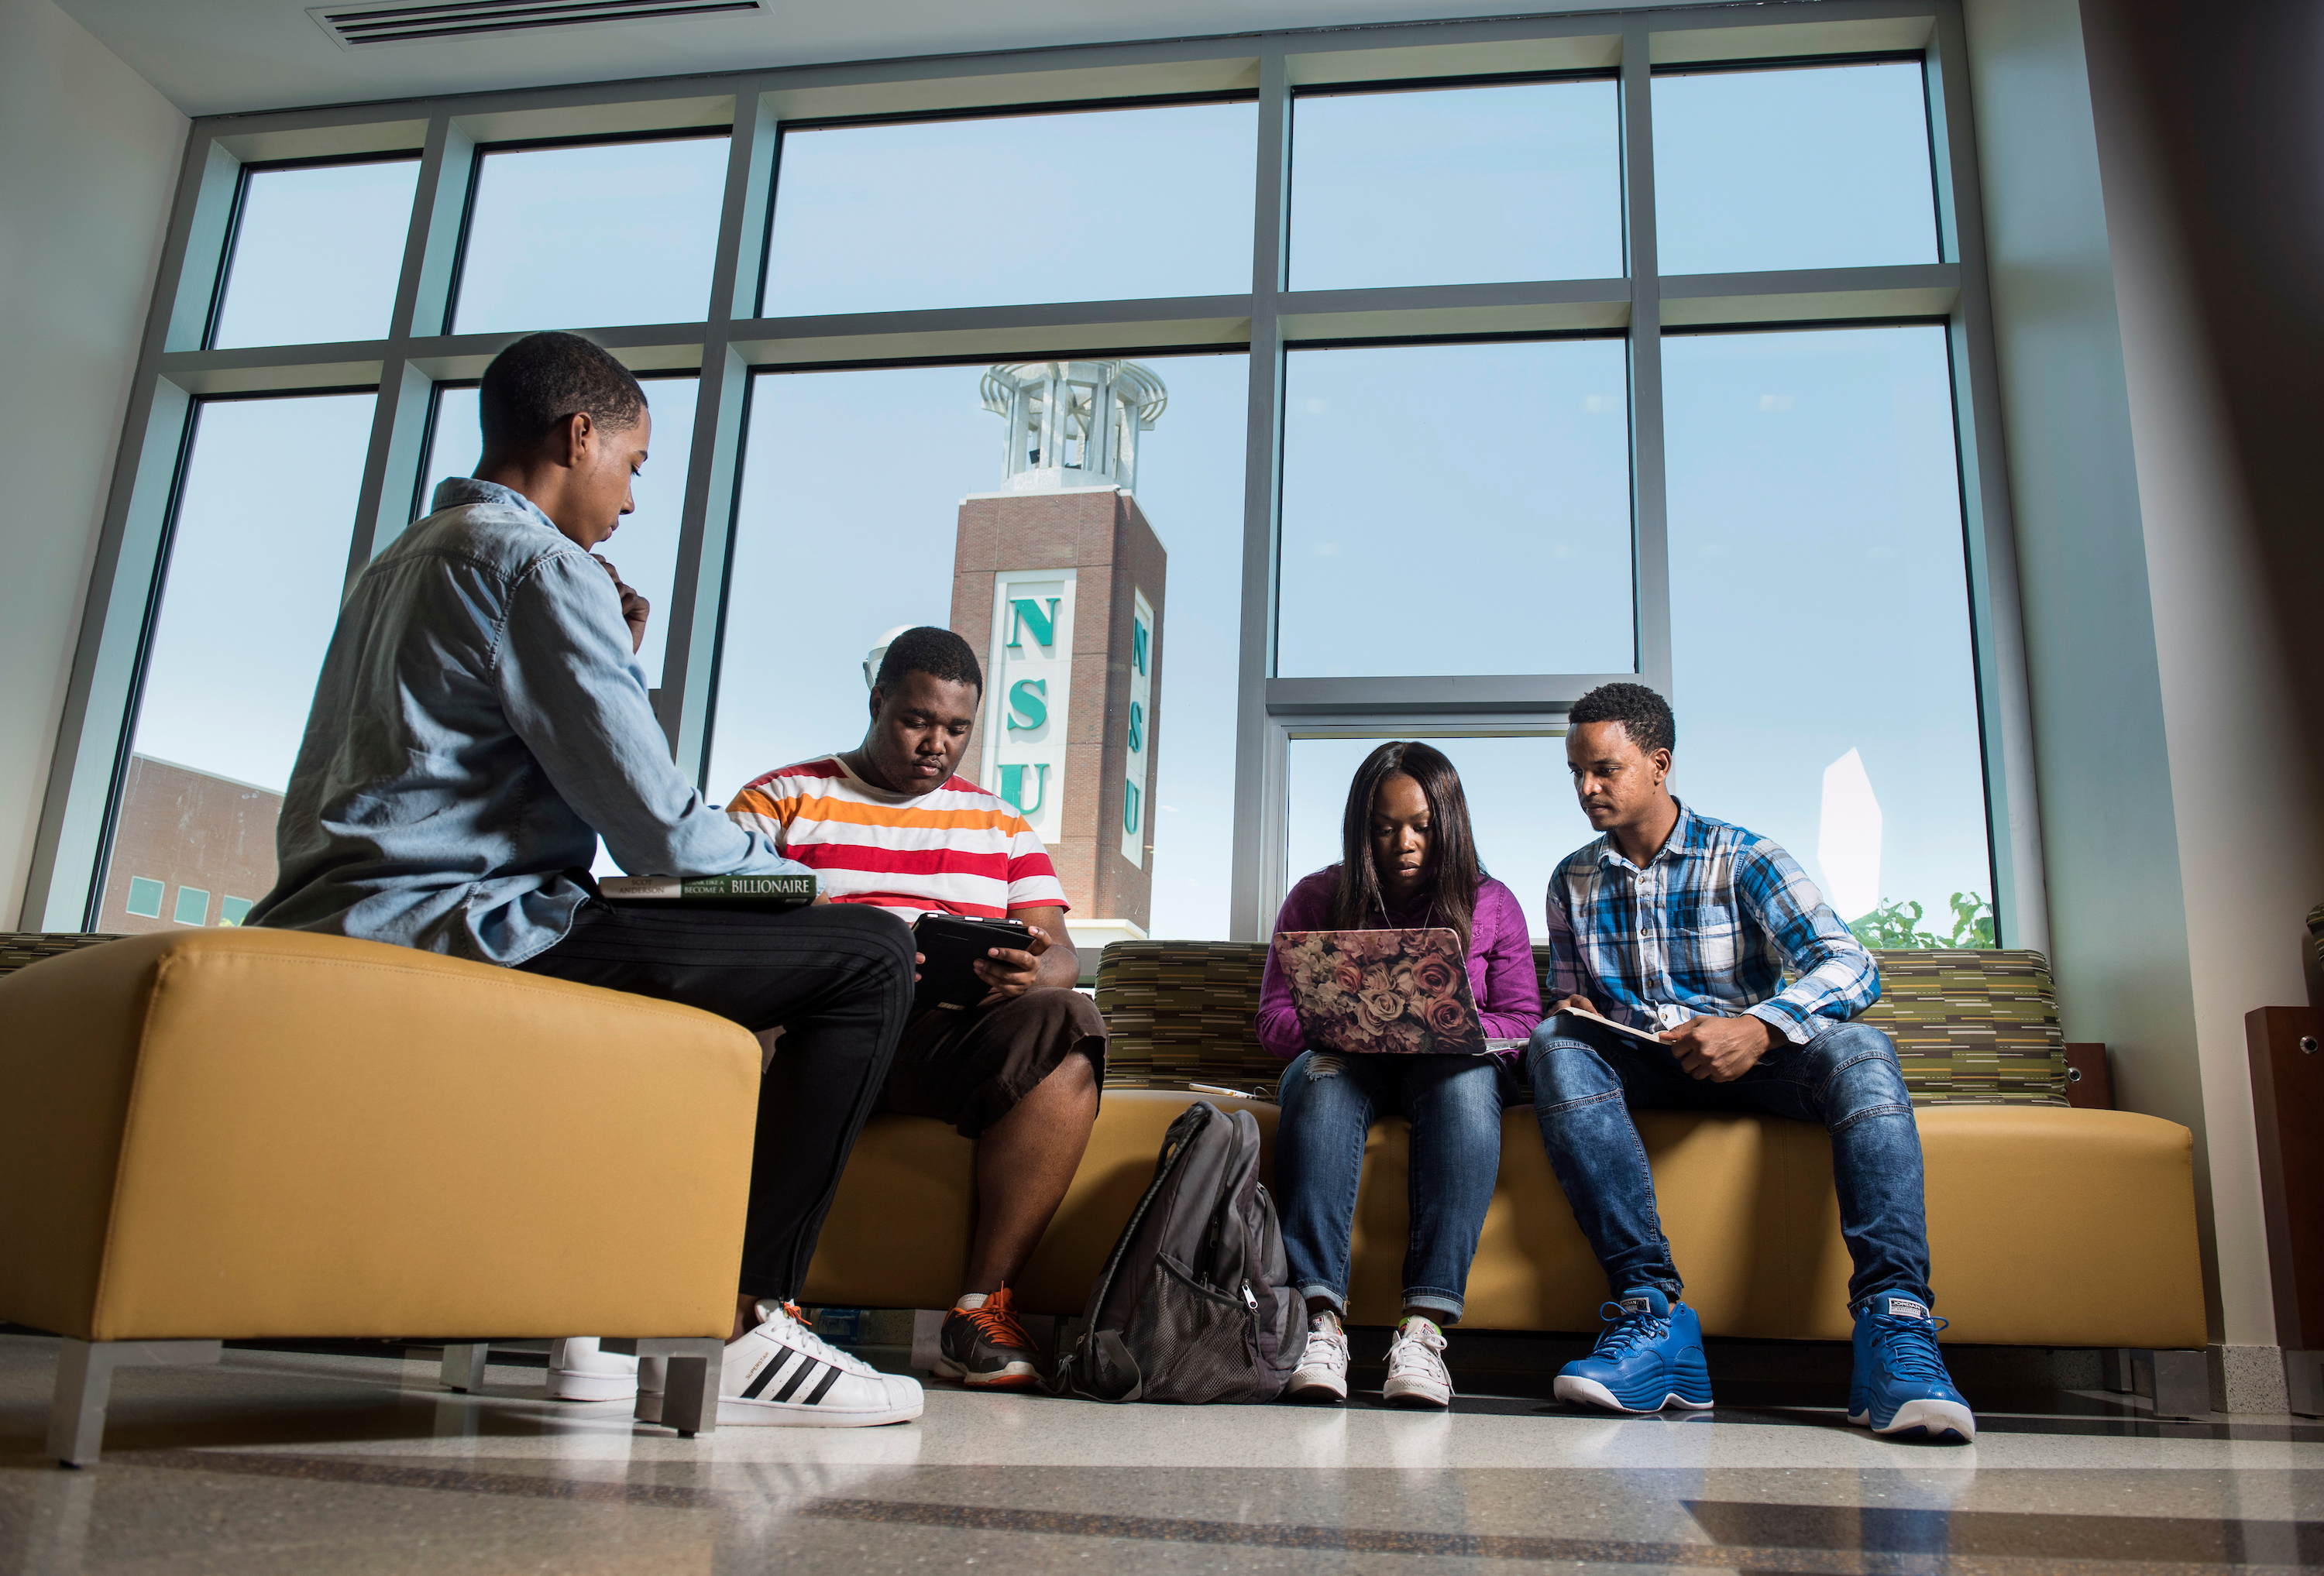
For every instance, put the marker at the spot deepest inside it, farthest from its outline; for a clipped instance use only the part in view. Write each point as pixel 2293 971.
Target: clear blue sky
pixel 256 573
pixel 1484 184
pixel 1456 508
pixel 1447 509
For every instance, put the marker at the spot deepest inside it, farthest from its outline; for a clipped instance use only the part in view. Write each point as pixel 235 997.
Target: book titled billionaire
pixel 783 891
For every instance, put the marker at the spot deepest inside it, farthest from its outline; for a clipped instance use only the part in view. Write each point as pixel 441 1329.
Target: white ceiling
pixel 213 56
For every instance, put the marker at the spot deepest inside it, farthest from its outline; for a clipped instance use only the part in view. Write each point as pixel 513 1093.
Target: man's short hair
pixel 938 653
pixel 1645 715
pixel 545 379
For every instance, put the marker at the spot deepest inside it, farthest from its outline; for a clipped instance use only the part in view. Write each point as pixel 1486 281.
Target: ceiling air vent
pixel 357 27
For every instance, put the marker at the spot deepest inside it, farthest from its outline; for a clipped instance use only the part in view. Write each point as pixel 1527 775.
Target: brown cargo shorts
pixel 970 1068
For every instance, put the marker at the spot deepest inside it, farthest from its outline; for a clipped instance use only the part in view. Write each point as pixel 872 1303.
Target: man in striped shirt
pixel 890 825
pixel 1683 927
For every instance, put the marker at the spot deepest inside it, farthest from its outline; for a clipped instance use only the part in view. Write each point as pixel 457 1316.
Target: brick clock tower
pixel 1057 580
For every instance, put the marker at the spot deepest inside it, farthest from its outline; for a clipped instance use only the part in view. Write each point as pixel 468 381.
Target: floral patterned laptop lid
pixel 1394 992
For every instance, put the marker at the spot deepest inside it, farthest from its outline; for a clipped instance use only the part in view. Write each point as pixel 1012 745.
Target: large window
pixel 1820 613
pixel 644 546
pixel 607 232
pixel 315 254
pixel 1113 204
pixel 1457 509
pixel 877 500
pixel 1520 807
pixel 1456 186
pixel 256 563
pixel 1255 399
pixel 1810 167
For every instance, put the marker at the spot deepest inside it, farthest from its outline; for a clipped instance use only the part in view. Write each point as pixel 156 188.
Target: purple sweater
pixel 1500 961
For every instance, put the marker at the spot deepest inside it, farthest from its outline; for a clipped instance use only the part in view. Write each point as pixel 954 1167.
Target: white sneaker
pixel 1417 1375
pixel 1322 1372
pixel 783 1375
pixel 578 1370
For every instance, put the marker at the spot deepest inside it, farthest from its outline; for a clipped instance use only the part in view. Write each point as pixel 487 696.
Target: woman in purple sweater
pixel 1407 862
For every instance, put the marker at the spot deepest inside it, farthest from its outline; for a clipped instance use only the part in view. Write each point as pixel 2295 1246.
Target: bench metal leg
pixel 463 1365
pixel 689 1402
pixel 2303 1378
pixel 2115 1371
pixel 2178 1382
pixel 85 1384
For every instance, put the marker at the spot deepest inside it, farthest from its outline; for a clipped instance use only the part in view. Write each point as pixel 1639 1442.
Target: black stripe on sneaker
pixel 824 1388
pixel 798 1377
pixel 760 1380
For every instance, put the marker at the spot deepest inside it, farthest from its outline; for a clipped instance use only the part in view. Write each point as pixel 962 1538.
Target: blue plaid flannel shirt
pixel 1703 931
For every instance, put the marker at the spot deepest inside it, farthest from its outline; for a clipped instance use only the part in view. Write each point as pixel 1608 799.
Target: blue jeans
pixel 1329 1100
pixel 1846 1078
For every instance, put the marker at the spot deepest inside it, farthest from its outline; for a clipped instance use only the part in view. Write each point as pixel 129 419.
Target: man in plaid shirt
pixel 1681 927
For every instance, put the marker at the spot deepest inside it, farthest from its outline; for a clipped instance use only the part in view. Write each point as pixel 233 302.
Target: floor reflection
pixel 338 1461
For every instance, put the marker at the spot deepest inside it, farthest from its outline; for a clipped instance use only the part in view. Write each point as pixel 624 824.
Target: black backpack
pixel 1193 1305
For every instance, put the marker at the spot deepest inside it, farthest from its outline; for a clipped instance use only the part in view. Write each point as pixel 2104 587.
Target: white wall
pixel 2110 837
pixel 2236 709
pixel 89 153
pixel 2178 799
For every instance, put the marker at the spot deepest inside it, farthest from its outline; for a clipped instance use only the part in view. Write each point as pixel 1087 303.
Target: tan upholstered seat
pixel 2025 1195
pixel 2021 1201
pixel 242 1133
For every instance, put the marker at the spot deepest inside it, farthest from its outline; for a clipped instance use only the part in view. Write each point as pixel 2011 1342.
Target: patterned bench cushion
pixel 1970 1027
pixel 1973 1027
pixel 18 948
pixel 1181 1012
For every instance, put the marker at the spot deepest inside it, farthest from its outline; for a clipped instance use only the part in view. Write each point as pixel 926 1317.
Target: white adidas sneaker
pixel 783 1375
pixel 580 1370
pixel 1323 1372
pixel 1416 1375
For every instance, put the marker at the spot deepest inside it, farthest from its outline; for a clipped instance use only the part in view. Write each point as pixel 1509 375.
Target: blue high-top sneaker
pixel 1649 1357
pixel 1901 1388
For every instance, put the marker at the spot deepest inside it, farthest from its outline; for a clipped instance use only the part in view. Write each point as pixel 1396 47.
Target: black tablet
pixel 952 944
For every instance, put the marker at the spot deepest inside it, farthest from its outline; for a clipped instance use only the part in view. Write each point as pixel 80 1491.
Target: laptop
pixel 1385 992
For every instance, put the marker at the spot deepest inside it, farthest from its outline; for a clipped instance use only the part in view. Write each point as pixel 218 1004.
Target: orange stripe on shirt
pixel 824 808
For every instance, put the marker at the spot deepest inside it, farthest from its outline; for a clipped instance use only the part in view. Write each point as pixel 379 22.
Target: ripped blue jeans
pixel 1846 1078
pixel 1329 1103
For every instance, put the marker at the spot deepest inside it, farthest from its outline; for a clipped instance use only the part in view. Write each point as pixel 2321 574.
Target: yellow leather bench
pixel 2022 1200
pixel 233 1134
pixel 2025 1194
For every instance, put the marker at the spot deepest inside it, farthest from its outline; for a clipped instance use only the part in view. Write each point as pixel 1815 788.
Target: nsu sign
pixel 1029 694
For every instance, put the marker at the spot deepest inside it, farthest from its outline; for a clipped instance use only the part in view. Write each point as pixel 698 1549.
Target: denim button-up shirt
pixel 479 722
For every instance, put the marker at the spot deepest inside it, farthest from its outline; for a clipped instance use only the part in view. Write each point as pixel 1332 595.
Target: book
pixel 783 892
pixel 1592 1029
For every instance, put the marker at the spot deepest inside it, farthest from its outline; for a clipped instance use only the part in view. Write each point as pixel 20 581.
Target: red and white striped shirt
pixel 954 849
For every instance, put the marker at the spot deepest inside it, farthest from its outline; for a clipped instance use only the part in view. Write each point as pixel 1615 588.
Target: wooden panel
pixel 2287 1074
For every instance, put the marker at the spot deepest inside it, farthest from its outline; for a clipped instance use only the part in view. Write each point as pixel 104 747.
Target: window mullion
pixel 705 523
pixel 399 435
pixel 1259 850
pixel 1648 488
pixel 2021 904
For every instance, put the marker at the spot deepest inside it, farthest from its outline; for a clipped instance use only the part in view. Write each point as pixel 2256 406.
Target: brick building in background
pixel 188 849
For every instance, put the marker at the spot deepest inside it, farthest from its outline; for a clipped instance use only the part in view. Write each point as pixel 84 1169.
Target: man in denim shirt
pixel 480 722
pixel 1681 927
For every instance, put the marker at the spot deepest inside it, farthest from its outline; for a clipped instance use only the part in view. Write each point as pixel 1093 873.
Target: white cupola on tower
pixel 1073 423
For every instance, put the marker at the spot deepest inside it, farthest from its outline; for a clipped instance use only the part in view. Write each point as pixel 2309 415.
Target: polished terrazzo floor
pixel 333 1462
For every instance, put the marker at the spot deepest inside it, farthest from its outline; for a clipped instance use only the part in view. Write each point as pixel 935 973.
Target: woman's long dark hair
pixel 1453 872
